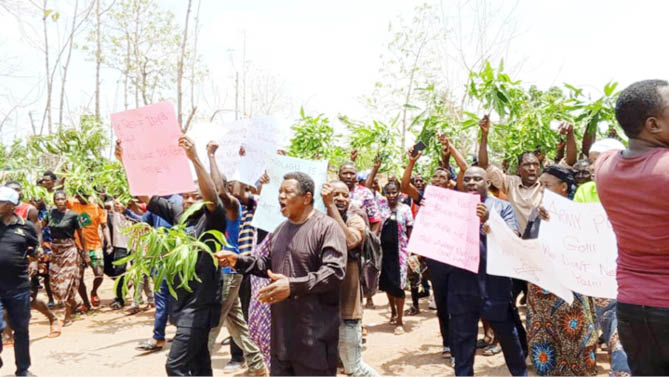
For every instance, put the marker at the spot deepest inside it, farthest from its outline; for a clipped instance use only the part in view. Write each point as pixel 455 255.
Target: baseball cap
pixel 9 195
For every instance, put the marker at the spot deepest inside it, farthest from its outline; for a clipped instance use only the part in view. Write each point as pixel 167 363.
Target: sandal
pixel 412 311
pixel 149 345
pixel 492 350
pixel 399 330
pixel 481 343
pixel 56 329
pixel 83 309
pixel 134 310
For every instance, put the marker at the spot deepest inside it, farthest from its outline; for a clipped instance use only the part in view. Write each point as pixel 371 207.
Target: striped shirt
pixel 247 232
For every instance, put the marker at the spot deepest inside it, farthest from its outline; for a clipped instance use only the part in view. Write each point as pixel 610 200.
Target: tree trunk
pixel 70 41
pixel 180 69
pixel 47 108
pixel 98 60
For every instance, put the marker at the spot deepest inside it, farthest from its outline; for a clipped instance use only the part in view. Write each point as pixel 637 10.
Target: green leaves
pixel 168 255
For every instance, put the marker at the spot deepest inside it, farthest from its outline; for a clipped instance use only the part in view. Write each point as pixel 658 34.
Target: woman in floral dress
pixel 260 316
pixel 395 233
pixel 562 338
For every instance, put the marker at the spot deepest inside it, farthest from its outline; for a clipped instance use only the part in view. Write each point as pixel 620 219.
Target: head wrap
pixel 606 145
pixel 564 174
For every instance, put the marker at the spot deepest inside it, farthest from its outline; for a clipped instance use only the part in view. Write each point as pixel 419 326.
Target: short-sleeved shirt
pixel 63 225
pixel 17 241
pixel 91 216
pixel 523 199
pixel 634 194
pixel 587 193
pixel 363 197
pixel 232 229
pixel 200 308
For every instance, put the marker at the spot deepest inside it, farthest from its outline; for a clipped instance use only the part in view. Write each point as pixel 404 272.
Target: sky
pixel 327 53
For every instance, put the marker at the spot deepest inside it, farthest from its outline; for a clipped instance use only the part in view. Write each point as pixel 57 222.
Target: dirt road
pixel 103 342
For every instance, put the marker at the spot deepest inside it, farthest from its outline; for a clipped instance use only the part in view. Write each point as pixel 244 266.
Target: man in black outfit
pixel 195 312
pixel 18 241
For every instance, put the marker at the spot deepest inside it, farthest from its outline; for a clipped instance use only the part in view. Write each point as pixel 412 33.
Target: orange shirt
pixel 91 216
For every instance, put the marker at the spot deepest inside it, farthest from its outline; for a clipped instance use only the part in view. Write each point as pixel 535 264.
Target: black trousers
pixel 189 354
pixel 440 273
pixel 644 334
pixel 464 331
pixel 293 368
pixel 245 297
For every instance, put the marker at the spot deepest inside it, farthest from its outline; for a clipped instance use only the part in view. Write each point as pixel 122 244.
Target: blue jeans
pixel 162 299
pixel 607 319
pixel 18 315
pixel 350 347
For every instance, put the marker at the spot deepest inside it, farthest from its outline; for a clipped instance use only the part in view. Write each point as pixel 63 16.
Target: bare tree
pixel 180 67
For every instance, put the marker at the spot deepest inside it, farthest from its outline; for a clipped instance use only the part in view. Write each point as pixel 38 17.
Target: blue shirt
pixel 232 236
pixel 153 219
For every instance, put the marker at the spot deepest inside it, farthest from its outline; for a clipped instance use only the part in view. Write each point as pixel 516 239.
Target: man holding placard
pixel 482 295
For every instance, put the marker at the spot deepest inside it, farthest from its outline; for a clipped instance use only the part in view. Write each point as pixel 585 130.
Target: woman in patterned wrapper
pixel 562 338
pixel 66 260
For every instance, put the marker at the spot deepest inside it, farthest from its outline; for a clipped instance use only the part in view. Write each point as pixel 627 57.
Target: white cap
pixel 9 195
pixel 608 144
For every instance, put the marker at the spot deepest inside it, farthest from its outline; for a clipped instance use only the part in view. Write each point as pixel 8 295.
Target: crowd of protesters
pixel 293 300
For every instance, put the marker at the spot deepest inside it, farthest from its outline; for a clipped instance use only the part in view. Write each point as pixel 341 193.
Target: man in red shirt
pixel 632 185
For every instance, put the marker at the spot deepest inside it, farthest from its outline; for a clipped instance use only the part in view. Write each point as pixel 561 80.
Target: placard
pixel 447 228
pixel 153 161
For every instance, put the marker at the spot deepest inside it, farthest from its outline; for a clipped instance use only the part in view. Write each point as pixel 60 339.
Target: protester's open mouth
pixel 282 206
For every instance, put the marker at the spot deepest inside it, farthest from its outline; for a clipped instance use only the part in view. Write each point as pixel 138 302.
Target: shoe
pixel 226 341
pixel 233 365
pixel 51 305
pixel 431 304
pixel 25 373
pixel 446 352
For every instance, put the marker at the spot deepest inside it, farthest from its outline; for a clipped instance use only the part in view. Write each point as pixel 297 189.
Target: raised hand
pixel 484 124
pixel 415 158
pixel 327 192
pixel 212 147
pixel 277 291
pixel 118 151
pixel 354 154
pixel 566 128
pixel 187 144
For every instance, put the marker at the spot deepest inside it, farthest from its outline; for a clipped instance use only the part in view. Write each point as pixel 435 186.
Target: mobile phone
pixel 417 148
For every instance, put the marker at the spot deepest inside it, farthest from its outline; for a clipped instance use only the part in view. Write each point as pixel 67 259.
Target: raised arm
pixel 572 149
pixel 406 186
pixel 207 186
pixel 369 183
pixel 484 124
pixel 354 236
pixel 230 203
pixel 459 160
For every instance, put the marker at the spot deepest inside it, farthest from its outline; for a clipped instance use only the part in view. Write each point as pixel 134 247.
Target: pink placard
pixel 447 228
pixel 153 160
